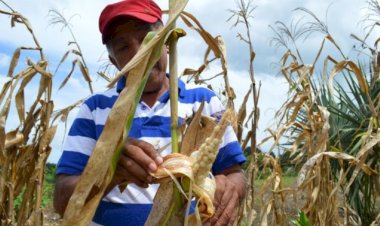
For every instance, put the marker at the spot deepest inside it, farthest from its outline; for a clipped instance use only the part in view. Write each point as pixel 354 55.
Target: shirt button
pixel 143 107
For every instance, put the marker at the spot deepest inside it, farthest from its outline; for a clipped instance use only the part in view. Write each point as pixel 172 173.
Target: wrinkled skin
pixel 230 189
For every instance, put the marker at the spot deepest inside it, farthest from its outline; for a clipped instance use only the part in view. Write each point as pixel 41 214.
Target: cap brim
pixel 136 15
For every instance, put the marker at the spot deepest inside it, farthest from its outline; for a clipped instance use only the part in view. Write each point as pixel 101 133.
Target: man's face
pixel 125 40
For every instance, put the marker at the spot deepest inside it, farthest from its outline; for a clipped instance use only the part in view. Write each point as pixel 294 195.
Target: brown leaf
pixel 189 71
pixel 86 74
pixel 364 150
pixel 4 90
pixel 62 60
pixel 14 62
pixel 242 114
pixel 27 76
pixel 189 139
pixel 103 75
pixel 211 42
pixel 13 138
pixel 340 66
pixel 162 203
pixel 69 75
pixel 245 141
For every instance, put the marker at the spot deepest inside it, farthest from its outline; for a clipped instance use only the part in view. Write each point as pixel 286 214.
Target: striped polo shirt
pixel 151 124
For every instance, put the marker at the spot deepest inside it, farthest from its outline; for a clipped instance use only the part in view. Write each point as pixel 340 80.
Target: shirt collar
pixel 165 97
pixel 181 90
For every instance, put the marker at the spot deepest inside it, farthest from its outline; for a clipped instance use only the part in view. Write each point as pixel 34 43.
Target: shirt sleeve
pixel 79 143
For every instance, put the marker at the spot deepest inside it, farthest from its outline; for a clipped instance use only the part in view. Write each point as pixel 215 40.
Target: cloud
pixel 85 27
pixel 273 93
pixel 3 80
pixel 4 60
pixel 343 18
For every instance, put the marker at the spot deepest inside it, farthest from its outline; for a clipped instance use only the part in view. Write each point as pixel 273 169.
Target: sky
pixel 343 18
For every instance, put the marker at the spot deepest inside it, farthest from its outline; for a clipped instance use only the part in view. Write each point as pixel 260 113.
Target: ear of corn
pixel 176 164
pixel 205 156
pixel 196 168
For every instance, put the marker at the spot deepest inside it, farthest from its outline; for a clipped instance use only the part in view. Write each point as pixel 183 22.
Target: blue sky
pixel 343 18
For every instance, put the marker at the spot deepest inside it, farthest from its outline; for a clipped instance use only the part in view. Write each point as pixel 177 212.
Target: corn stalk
pixel 25 149
pixel 242 17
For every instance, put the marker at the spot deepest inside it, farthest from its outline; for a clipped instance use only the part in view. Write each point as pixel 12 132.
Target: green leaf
pixel 302 220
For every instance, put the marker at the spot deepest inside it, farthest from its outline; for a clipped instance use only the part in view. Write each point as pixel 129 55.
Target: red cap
pixel 145 10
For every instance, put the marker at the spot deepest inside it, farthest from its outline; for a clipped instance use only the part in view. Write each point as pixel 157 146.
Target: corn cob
pixel 196 168
pixel 207 152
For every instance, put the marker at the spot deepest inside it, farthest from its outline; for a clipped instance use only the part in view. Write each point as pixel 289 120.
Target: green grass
pixel 47 197
pixel 48 189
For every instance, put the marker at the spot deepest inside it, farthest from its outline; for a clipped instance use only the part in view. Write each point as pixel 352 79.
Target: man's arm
pixel 230 190
pixel 64 188
pixel 136 161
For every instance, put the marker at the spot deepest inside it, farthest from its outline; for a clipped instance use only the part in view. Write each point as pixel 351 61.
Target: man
pixel 123 26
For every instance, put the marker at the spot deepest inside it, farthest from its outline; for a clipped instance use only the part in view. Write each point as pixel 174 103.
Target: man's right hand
pixel 136 161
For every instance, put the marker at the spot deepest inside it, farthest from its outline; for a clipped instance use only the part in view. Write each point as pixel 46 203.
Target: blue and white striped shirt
pixel 151 124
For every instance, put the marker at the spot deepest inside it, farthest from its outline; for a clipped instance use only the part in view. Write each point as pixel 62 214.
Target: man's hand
pixel 230 189
pixel 136 161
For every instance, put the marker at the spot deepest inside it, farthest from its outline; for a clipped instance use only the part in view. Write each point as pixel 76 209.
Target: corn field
pixel 329 127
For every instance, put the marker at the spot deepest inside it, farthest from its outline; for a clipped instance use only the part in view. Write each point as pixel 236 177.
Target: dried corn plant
pixel 25 147
pixel 195 133
pixel 242 16
pixel 273 203
pixel 216 46
pixel 333 128
pixel 57 18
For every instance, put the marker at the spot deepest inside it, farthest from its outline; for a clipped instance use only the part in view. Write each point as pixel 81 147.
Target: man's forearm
pixel 64 189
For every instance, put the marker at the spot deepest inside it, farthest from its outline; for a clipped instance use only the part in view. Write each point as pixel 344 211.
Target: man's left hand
pixel 230 189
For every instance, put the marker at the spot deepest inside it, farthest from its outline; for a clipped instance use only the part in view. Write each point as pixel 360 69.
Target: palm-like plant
pixel 353 122
pixel 344 107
